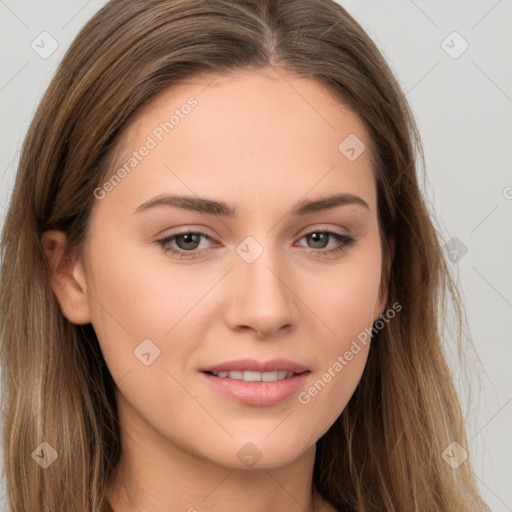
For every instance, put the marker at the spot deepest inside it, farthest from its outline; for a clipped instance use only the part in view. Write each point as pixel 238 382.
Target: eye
pixel 188 244
pixel 320 240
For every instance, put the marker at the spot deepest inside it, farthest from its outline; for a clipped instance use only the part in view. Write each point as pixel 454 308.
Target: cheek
pixel 135 299
pixel 344 301
pixel 345 298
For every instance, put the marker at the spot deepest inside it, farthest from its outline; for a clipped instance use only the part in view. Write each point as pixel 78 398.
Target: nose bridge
pixel 262 299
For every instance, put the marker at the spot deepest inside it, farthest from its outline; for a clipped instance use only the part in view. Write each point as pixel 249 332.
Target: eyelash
pixel 345 240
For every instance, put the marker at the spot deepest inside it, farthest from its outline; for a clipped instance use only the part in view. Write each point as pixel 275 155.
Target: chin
pixel 261 453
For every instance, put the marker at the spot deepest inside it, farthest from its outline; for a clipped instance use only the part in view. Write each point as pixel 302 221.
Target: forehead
pixel 261 135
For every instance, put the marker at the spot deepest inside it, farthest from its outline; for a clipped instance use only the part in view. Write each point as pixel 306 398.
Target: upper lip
pixel 256 366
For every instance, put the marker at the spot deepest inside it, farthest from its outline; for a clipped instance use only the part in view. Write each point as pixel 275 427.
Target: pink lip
pixel 257 393
pixel 257 366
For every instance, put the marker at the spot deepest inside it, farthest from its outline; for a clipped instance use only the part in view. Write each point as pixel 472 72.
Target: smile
pixel 253 376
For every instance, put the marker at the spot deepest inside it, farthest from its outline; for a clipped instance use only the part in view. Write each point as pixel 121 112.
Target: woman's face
pixel 251 156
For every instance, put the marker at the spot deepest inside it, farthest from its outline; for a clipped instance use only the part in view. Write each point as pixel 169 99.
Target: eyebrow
pixel 211 207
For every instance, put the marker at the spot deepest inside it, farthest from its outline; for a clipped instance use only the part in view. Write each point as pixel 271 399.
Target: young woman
pixel 221 284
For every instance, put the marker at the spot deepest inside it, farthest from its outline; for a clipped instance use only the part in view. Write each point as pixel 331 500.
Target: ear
pixel 383 292
pixel 68 282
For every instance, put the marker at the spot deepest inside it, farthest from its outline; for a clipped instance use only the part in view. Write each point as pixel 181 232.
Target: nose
pixel 262 299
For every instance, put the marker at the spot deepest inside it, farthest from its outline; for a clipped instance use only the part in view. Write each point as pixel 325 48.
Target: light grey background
pixel 463 105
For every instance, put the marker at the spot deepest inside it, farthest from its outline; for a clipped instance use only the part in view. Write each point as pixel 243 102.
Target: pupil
pixel 317 238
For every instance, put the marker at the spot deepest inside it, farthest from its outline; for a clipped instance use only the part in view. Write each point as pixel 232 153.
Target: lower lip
pixel 258 393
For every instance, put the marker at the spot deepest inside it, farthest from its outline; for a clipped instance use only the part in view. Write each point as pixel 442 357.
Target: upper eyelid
pixel 309 229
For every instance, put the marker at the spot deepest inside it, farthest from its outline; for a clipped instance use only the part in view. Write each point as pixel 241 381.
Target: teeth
pixel 250 376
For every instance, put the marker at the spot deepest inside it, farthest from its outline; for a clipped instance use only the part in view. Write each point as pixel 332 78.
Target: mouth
pixel 255 383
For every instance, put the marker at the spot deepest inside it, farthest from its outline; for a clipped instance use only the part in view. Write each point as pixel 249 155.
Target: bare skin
pixel 257 143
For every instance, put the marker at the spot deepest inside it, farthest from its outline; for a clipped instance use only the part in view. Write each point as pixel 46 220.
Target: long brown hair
pixel 384 451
